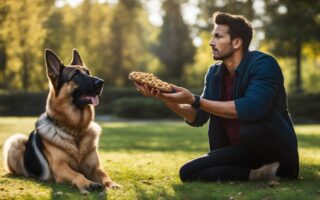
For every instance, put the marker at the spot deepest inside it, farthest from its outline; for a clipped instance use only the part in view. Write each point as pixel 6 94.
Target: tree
pixel 23 34
pixel 236 7
pixel 289 25
pixel 128 42
pixel 3 56
pixel 174 48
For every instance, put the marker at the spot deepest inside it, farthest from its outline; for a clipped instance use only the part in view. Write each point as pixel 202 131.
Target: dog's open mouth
pixel 94 100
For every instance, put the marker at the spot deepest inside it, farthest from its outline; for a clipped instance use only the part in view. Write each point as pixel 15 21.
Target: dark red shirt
pixel 231 126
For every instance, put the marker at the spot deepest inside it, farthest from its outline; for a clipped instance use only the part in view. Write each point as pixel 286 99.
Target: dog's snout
pixel 98 83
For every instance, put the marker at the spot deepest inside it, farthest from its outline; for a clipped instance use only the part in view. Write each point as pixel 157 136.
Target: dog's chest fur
pixel 77 143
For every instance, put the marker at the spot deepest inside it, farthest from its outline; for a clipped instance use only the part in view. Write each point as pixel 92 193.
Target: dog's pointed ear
pixel 76 58
pixel 54 67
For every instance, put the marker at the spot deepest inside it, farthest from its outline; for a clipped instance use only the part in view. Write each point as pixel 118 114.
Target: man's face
pixel 221 43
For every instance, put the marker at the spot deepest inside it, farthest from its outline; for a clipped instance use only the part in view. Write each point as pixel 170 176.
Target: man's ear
pixel 237 43
pixel 76 58
pixel 54 67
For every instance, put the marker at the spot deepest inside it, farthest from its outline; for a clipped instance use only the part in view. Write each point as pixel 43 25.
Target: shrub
pixel 305 107
pixel 141 107
pixel 127 102
pixel 22 104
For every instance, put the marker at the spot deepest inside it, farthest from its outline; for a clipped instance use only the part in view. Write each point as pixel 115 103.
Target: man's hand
pixel 174 101
pixel 146 91
pixel 180 96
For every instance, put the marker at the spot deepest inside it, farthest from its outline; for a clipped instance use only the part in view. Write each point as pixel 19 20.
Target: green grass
pixel 145 159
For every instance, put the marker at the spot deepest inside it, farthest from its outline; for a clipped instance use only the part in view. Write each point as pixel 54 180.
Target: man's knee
pixel 289 166
pixel 184 173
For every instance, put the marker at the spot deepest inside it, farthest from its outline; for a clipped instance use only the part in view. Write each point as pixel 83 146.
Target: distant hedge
pixel 140 107
pixel 128 103
pixel 22 104
pixel 305 107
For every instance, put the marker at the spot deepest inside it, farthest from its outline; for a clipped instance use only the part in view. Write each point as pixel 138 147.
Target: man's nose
pixel 212 43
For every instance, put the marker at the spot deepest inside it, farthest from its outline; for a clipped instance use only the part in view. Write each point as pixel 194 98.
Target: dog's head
pixel 85 87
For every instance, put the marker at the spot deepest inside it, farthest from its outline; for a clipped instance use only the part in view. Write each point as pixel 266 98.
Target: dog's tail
pixel 13 154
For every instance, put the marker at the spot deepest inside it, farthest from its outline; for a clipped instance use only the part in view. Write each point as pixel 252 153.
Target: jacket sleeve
pixel 265 79
pixel 202 116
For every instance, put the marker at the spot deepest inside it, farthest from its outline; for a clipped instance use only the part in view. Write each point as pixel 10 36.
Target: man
pixel 251 135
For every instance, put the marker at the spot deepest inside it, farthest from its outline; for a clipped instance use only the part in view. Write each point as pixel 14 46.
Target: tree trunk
pixel 298 85
pixel 25 72
pixel 3 61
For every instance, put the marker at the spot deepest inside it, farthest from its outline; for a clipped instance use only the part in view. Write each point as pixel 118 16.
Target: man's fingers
pixel 170 95
pixel 138 87
pixel 147 90
pixel 141 89
pixel 176 88
pixel 153 92
pixel 157 94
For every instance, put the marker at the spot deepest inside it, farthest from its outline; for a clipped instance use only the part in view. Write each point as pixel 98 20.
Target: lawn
pixel 145 159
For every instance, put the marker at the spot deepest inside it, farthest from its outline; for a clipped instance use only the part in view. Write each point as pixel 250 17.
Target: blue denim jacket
pixel 259 95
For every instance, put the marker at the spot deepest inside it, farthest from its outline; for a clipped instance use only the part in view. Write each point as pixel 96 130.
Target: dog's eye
pixel 78 72
pixel 75 75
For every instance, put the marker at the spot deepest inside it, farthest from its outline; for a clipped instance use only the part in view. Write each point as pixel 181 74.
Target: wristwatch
pixel 196 103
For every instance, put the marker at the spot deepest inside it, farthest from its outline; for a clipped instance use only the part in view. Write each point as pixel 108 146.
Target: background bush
pixel 128 103
pixel 141 107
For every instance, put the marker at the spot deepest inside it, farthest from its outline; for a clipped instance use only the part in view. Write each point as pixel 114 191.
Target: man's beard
pixel 223 56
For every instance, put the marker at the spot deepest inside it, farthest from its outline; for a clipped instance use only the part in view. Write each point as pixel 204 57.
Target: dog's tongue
pixel 94 100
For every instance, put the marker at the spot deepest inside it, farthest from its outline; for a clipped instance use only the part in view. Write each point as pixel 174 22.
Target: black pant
pixel 234 162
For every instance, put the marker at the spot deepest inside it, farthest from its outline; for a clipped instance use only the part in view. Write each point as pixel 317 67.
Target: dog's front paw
pixel 95 186
pixel 112 185
pixel 91 187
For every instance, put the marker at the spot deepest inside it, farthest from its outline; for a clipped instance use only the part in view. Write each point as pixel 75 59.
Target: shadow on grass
pixel 302 188
pixel 58 190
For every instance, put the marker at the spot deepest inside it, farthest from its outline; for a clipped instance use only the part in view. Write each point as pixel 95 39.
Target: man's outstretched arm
pixel 225 109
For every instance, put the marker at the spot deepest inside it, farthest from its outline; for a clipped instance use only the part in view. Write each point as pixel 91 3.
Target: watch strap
pixel 196 103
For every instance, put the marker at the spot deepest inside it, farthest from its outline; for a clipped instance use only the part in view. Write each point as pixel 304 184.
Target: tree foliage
pixel 116 38
pixel 289 25
pixel 174 47
pixel 21 42
pixel 128 42
pixel 244 8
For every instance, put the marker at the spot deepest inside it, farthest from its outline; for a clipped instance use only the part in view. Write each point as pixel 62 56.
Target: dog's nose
pixel 98 83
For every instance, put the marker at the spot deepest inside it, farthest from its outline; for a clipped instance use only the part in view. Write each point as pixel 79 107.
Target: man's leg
pixel 228 163
pixel 269 149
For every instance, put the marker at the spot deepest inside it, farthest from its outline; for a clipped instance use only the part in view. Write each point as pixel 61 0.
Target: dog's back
pixel 13 151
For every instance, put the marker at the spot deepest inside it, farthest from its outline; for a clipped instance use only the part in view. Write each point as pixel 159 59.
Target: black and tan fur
pixel 67 134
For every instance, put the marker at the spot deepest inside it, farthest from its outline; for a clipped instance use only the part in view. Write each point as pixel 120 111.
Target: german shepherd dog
pixel 63 145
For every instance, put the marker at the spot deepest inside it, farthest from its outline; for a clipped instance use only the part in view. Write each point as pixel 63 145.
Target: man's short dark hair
pixel 239 27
